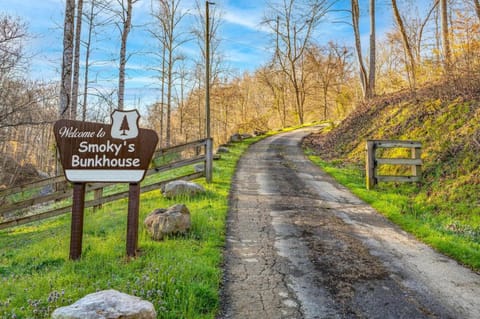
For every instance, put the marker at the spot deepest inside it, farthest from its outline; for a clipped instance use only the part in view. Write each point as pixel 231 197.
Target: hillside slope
pixel 447 122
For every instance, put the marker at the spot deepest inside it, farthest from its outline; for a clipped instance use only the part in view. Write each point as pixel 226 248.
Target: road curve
pixel 299 245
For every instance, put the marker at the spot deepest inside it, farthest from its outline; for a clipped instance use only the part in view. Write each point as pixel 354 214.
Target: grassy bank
pixel 179 275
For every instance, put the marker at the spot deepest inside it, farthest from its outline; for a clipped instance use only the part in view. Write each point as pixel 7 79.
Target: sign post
pixel 132 219
pixel 95 152
pixel 76 228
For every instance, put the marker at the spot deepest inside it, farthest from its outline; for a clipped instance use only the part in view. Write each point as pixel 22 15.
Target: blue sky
pixel 245 43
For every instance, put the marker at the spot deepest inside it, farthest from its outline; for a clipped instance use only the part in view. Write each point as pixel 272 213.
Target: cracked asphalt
pixel 299 245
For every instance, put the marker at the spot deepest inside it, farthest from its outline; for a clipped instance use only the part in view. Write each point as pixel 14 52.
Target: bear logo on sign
pixel 124 124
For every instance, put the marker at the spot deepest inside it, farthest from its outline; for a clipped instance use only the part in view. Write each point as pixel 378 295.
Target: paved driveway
pixel 301 246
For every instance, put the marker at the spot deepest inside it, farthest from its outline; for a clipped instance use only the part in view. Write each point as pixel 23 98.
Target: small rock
pixel 182 188
pixel 246 135
pixel 171 221
pixel 235 138
pixel 199 168
pixel 223 149
pixel 259 132
pixel 105 304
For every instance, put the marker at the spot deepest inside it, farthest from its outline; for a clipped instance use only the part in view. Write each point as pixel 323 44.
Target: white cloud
pixel 243 19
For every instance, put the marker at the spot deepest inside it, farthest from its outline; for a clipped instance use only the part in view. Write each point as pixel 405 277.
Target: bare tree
pixel 274 80
pixel 17 96
pixel 90 20
pixel 169 17
pixel 199 32
pixel 411 65
pixel 358 47
pixel 124 26
pixel 94 19
pixel 25 106
pixel 422 28
pixel 180 91
pixel 330 67
pixel 292 24
pixel 67 61
pixel 12 34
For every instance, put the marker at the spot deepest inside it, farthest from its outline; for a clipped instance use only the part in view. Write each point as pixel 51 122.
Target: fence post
pixel 370 165
pixel 209 160
pixel 416 169
pixel 97 194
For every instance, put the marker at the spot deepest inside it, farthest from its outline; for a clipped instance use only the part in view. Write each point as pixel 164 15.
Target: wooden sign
pixel 94 152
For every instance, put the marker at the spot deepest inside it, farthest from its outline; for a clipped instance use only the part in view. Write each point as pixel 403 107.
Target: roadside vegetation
pixel 180 275
pixel 444 209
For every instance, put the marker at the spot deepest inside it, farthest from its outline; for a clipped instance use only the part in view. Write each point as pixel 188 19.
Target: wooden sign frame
pixel 94 152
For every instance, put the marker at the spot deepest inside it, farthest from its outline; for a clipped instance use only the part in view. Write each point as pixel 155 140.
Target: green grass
pixel 408 205
pixel 180 275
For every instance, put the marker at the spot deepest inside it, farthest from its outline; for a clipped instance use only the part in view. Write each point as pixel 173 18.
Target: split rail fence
pixel 373 163
pixel 44 199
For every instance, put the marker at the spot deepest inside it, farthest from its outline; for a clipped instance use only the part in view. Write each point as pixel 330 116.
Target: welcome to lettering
pixel 74 132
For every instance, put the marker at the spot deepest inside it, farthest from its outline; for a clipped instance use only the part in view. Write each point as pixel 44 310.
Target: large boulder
pixel 182 188
pixel 105 304
pixel 162 222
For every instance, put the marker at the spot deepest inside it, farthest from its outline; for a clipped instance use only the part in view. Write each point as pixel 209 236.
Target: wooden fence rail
pixel 372 162
pixel 30 196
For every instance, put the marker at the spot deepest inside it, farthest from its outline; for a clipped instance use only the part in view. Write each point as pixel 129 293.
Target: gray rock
pixel 182 188
pixel 223 149
pixel 105 304
pixel 235 138
pixel 48 189
pixel 171 221
pixel 199 168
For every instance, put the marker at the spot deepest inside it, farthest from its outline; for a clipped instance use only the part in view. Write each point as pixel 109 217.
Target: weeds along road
pixel 301 246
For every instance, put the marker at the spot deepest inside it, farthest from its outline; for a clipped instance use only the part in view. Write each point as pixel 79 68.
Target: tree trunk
pixel 358 47
pixel 123 54
pixel 66 81
pixel 447 55
pixel 372 66
pixel 162 98
pixel 477 7
pixel 411 66
pixel 168 134
pixel 87 61
pixel 76 65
